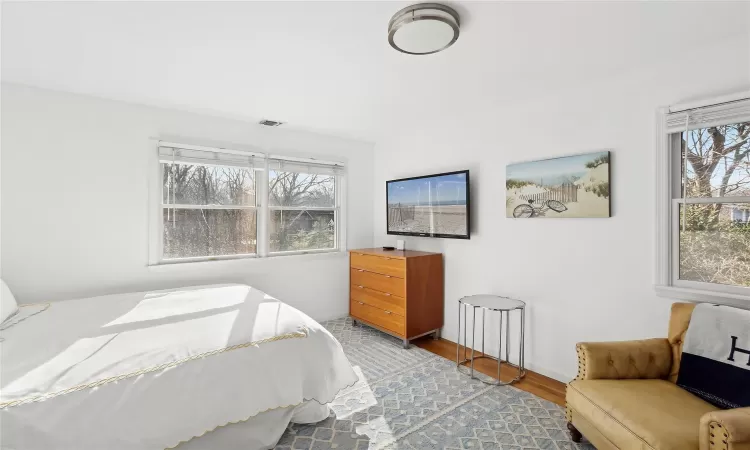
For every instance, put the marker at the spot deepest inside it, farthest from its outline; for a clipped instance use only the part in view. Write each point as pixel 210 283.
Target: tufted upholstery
pixel 625 397
pixel 725 430
pixel 650 358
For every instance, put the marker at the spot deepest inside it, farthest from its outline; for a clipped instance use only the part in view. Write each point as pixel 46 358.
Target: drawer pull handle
pixel 387 312
pixel 360 270
pixel 387 276
pixel 360 287
pixel 360 303
pixel 387 294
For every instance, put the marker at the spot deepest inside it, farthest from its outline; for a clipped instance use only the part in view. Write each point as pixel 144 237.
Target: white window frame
pixel 339 232
pixel 262 207
pixel 670 121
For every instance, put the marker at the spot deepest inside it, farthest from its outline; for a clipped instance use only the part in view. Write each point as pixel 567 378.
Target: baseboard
pixel 331 316
pixel 549 373
pixel 557 376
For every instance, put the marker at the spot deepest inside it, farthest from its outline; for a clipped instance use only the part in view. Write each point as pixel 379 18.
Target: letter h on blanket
pixel 740 350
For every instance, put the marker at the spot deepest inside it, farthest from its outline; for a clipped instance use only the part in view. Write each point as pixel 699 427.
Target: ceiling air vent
pixel 270 123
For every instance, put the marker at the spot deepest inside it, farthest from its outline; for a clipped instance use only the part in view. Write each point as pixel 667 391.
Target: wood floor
pixel 534 383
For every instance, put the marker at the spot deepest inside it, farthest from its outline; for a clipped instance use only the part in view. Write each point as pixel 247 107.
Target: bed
pixel 220 367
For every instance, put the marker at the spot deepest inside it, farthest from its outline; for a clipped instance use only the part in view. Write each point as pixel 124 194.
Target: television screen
pixel 432 206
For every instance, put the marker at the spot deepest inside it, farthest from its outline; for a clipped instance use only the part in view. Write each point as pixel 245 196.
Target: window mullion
pixel 302 208
pixel 711 200
pixel 215 207
pixel 674 265
pixel 263 217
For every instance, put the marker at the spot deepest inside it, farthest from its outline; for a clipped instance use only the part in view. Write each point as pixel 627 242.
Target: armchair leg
pixel 575 435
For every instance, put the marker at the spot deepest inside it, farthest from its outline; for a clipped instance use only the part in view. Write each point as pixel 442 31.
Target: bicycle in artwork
pixel 529 210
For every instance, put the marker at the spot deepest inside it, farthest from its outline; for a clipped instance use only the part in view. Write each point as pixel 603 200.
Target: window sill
pixel 697 295
pixel 249 261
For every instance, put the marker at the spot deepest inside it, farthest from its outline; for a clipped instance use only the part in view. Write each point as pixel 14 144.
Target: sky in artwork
pixel 546 171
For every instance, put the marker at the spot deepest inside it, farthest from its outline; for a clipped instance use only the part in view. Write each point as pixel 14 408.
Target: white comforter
pixel 151 370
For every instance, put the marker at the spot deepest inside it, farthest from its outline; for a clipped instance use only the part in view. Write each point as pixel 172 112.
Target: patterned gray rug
pixel 414 399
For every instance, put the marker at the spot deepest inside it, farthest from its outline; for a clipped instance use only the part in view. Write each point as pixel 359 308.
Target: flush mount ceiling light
pixel 423 28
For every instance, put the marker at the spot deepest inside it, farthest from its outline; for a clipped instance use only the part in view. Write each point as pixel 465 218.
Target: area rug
pixel 413 399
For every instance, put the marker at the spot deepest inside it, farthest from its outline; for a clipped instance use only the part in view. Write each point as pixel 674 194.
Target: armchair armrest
pixel 727 429
pixel 648 358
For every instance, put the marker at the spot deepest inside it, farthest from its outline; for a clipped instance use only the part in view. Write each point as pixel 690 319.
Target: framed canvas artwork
pixel 569 186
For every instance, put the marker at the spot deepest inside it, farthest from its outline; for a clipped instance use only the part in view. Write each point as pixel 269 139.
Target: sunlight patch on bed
pixel 160 305
pixel 95 358
pixel 271 317
pixel 51 374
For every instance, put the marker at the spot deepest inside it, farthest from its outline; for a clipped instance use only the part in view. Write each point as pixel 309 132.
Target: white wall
pixel 74 199
pixel 583 279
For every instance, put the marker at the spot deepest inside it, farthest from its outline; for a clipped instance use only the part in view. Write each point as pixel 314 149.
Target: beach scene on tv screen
pixel 434 205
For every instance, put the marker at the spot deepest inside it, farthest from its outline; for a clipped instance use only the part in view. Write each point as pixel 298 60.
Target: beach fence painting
pixel 570 186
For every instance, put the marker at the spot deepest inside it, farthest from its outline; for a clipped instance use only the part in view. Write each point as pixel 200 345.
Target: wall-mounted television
pixel 431 206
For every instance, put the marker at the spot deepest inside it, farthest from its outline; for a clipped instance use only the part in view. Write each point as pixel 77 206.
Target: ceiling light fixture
pixel 423 29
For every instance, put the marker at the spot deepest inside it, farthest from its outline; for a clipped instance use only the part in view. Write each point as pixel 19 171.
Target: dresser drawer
pixel 387 266
pixel 388 321
pixel 388 302
pixel 378 282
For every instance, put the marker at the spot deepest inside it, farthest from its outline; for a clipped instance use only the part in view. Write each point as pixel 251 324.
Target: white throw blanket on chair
pixel 715 362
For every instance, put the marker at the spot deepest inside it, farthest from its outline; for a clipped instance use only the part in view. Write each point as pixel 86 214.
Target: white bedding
pixel 261 432
pixel 151 370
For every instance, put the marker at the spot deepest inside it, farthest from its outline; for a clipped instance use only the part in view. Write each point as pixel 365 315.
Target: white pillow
pixel 8 305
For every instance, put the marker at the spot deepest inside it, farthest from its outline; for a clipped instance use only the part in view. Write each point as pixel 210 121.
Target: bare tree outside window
pixel 303 211
pixel 714 238
pixel 208 210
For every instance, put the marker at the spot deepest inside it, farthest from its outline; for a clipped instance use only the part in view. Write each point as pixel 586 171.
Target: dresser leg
pixel 436 335
pixel 405 344
pixel 354 323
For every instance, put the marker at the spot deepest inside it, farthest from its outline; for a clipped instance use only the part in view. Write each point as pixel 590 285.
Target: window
pixel 303 212
pixel 220 204
pixel 708 157
pixel 208 210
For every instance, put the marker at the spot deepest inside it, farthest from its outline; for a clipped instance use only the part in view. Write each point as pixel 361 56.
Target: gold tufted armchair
pixel 625 397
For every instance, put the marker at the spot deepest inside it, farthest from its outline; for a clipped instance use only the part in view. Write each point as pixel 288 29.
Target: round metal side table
pixel 491 303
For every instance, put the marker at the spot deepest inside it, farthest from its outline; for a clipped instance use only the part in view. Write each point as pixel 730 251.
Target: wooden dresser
pixel 399 292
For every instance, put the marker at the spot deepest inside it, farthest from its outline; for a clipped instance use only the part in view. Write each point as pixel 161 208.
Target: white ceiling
pixel 327 66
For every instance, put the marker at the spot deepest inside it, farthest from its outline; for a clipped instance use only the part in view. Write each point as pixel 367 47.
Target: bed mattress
pixel 152 370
